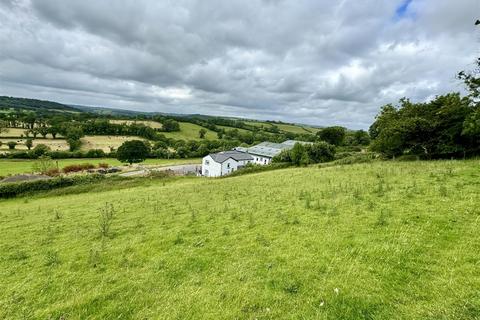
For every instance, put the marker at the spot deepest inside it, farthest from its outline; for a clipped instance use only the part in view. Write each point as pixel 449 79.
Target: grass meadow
pixel 385 240
pixel 14 166
pixel 189 131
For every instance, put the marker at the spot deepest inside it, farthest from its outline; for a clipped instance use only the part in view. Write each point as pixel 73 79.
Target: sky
pixel 319 62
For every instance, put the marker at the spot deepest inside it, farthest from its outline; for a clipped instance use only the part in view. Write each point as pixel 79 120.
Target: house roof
pixel 235 155
pixel 270 149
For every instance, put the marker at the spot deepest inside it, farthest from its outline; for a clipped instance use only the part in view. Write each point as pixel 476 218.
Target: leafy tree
pixel 29 143
pixel 3 126
pixel 43 131
pixel 361 137
pixel 433 129
pixel 170 125
pixel 11 145
pixel 201 133
pixel 472 80
pixel 53 130
pixel 333 135
pixel 133 151
pixel 73 135
pixel 320 152
pixel 297 153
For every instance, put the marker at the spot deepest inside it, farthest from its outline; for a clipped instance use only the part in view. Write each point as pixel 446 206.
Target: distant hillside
pixel 33 104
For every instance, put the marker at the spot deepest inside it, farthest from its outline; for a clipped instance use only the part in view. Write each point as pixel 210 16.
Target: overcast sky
pixel 321 62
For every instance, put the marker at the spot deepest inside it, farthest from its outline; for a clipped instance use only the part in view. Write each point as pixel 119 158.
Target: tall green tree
pixel 333 135
pixel 133 151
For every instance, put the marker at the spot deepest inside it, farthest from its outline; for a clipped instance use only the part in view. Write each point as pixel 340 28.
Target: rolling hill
pixel 386 240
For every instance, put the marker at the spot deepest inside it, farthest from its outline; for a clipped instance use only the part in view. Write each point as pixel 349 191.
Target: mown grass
pixel 384 240
pixel 9 167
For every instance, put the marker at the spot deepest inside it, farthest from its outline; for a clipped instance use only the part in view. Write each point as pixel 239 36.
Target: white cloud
pixel 312 61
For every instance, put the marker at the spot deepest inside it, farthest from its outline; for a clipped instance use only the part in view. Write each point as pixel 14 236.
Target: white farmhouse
pixel 223 163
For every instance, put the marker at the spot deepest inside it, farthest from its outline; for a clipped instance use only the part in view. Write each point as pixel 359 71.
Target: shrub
pixel 78 167
pixel 52 172
pixel 11 145
pixel 40 150
pixel 103 165
pixel 107 213
pixel 43 165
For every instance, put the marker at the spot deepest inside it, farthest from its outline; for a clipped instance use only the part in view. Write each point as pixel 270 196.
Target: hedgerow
pixel 10 190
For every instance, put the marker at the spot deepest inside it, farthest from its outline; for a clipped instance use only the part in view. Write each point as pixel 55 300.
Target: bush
pixel 9 190
pixel 77 167
pixel 40 150
pixel 52 172
pixel 11 145
pixel 103 165
pixel 43 165
pixel 357 158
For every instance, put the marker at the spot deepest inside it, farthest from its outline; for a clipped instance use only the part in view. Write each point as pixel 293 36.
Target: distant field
pixel 18 132
pixel 285 127
pixel 189 131
pixel 105 142
pixel 152 124
pixel 9 167
pixel 233 128
pixel 54 144
pixel 13 132
pixel 386 240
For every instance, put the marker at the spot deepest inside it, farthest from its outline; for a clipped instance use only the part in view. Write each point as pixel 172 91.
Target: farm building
pixel 264 152
pixel 223 163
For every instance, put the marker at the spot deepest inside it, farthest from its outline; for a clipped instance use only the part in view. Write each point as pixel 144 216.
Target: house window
pixel 207 162
pixel 264 161
pixel 228 165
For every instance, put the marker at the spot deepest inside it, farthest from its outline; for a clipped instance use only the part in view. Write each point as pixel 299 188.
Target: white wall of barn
pixel 261 159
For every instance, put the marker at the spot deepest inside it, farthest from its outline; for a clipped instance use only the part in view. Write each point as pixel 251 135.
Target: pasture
pixel 148 123
pixel 53 144
pixel 106 143
pixel 385 240
pixel 189 131
pixel 13 132
pixel 10 167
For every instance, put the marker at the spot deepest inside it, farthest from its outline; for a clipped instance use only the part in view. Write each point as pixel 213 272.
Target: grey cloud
pixel 319 62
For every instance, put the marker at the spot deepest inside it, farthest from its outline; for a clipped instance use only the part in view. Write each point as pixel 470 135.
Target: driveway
pixel 181 169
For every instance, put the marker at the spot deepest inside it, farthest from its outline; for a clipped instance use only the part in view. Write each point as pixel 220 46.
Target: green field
pixel 189 131
pixel 9 167
pixel 285 127
pixel 233 128
pixel 386 240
